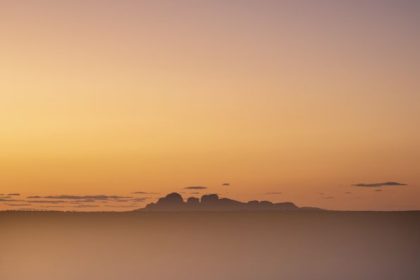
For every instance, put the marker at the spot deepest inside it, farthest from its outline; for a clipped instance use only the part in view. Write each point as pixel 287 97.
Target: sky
pixel 283 100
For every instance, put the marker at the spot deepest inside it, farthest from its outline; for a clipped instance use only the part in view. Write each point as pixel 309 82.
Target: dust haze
pixel 210 245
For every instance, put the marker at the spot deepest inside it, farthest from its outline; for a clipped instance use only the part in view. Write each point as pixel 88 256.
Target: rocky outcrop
pixel 212 202
pixel 172 201
pixel 193 201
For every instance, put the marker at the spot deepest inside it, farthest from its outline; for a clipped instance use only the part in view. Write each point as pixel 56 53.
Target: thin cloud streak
pixel 81 197
pixel 140 192
pixel 47 201
pixel 379 185
pixel 195 188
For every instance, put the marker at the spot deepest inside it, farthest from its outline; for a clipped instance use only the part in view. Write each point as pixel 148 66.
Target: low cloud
pixel 195 188
pixel 139 199
pixel 82 198
pixel 84 201
pixel 145 193
pixel 273 193
pixel 95 197
pixel 47 201
pixel 18 204
pixel 379 185
pixel 86 206
pixel 42 202
pixel 226 184
pixel 7 199
pixel 121 206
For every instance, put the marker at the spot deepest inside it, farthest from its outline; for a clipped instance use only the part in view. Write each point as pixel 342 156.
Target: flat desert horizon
pixel 232 245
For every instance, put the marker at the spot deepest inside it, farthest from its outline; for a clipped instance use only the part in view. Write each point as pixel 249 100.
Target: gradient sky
pixel 305 98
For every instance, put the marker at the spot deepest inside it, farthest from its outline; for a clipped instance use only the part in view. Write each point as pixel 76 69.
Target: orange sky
pixel 113 97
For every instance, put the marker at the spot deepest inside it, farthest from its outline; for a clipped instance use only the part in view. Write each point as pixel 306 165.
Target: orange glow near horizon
pixel 301 99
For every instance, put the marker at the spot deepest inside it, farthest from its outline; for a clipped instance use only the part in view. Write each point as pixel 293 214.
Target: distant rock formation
pixel 170 202
pixel 212 202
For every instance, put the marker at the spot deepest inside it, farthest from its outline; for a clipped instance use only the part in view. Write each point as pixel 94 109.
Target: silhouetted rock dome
pixel 285 206
pixel 266 203
pixel 253 203
pixel 172 198
pixel 193 201
pixel 209 198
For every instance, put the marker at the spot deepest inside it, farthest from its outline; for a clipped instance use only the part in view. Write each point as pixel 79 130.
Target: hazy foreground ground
pixel 317 245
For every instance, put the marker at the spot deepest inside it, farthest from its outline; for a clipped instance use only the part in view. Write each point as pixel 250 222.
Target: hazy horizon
pixel 136 201
pixel 210 245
